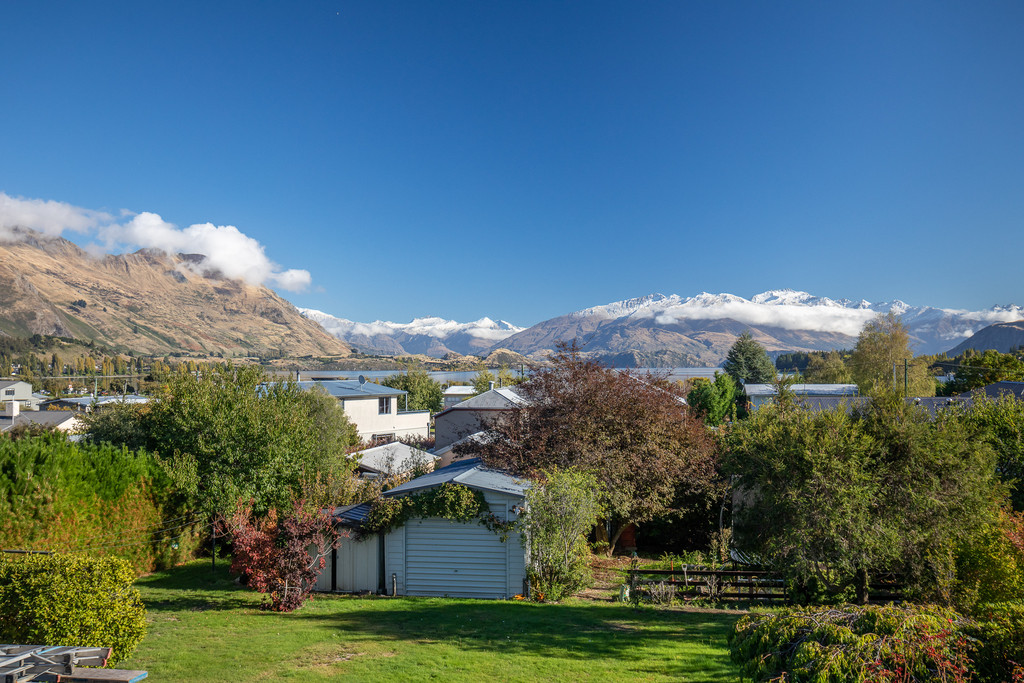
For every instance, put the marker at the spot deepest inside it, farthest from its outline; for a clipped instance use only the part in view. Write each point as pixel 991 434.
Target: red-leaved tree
pixel 635 434
pixel 281 556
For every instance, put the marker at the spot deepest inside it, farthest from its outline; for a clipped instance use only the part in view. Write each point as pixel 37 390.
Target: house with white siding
pixel 379 413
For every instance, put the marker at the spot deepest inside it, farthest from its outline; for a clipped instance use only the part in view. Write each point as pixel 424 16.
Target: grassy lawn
pixel 202 627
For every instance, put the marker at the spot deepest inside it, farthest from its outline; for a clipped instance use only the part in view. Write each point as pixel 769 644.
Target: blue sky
pixel 520 160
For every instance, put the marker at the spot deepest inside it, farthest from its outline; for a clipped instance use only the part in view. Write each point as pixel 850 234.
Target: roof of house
pixel 804 389
pixel 460 390
pixel 351 388
pixel 997 389
pixel 495 399
pixel 392 458
pixel 4 383
pixel 472 473
pixel 43 418
pixel 89 401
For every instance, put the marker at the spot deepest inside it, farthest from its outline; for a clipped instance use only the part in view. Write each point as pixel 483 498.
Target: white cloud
pixel 227 249
pixel 46 216
pixel 787 316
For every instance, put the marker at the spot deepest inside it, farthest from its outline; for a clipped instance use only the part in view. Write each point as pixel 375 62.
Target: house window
pixel 9 392
pixel 384 405
pixel 382 438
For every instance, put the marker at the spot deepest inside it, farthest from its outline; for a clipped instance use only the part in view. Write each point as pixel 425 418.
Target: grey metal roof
pixel 393 458
pixel 43 418
pixel 804 389
pixel 351 515
pixel 997 389
pixel 351 388
pixel 89 401
pixel 472 473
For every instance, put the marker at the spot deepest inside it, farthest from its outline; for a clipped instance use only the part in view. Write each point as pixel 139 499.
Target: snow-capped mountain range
pixel 695 330
pixel 430 336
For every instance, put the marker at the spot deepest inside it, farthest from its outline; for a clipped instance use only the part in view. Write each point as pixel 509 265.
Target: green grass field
pixel 202 627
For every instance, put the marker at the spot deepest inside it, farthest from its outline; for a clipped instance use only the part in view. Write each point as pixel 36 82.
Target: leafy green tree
pixel 561 509
pixel 482 381
pixel 715 401
pixel 1000 424
pixel 882 359
pixel 977 370
pixel 634 434
pixel 831 497
pixel 424 393
pixel 234 434
pixel 507 378
pixel 747 362
pixel 827 368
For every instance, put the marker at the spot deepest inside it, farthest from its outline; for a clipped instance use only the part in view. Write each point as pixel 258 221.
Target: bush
pixel 1000 653
pixel 559 513
pixel 70 600
pixel 851 643
pixel 106 500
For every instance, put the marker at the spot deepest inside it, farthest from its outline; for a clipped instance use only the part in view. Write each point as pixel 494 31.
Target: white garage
pixel 439 557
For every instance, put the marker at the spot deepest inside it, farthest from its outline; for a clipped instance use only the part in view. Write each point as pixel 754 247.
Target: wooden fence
pixel 711 584
pixel 746 585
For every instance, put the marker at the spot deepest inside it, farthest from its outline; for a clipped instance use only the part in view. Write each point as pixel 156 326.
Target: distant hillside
pixel 1002 337
pixel 147 302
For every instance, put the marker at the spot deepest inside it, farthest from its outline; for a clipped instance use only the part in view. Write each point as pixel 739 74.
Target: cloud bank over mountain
pixel 227 250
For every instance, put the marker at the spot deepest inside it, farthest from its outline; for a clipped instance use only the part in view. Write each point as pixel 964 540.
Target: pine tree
pixel 747 362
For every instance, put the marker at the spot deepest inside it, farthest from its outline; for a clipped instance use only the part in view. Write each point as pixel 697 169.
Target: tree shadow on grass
pixel 195 587
pixel 575 632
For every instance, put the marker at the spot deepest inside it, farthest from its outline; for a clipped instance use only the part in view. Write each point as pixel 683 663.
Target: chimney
pixel 491 385
pixel 11 409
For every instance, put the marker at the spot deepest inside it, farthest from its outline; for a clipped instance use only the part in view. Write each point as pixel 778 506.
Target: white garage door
pixel 450 558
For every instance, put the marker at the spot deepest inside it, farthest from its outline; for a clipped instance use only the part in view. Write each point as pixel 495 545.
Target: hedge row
pixel 881 643
pixel 70 600
pixel 97 499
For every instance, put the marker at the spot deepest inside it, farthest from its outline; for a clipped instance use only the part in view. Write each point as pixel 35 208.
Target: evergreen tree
pixel 747 362
pixel 715 401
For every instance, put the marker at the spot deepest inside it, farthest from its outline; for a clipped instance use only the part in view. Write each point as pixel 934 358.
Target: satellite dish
pixel 362 380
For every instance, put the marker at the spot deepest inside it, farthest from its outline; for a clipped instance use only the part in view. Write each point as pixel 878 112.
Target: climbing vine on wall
pixel 449 501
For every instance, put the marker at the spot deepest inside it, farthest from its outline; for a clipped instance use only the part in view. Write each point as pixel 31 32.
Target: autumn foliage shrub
pixel 70 600
pixel 281 556
pixel 890 643
pixel 999 655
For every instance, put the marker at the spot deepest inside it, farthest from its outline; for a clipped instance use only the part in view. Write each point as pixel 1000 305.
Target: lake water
pixel 470 375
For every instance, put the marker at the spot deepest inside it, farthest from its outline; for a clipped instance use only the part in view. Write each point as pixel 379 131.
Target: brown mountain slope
pixel 148 302
pixel 1003 337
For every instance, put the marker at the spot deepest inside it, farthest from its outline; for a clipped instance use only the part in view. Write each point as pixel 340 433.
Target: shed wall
pixel 439 557
pixel 357 568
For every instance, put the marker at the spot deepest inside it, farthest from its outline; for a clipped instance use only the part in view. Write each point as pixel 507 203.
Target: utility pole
pixel 906 391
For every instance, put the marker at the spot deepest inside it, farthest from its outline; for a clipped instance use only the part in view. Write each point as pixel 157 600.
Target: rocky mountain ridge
pixel 148 302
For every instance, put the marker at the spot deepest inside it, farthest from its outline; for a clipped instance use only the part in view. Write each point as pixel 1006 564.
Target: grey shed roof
pixel 351 388
pixel 351 515
pixel 472 473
